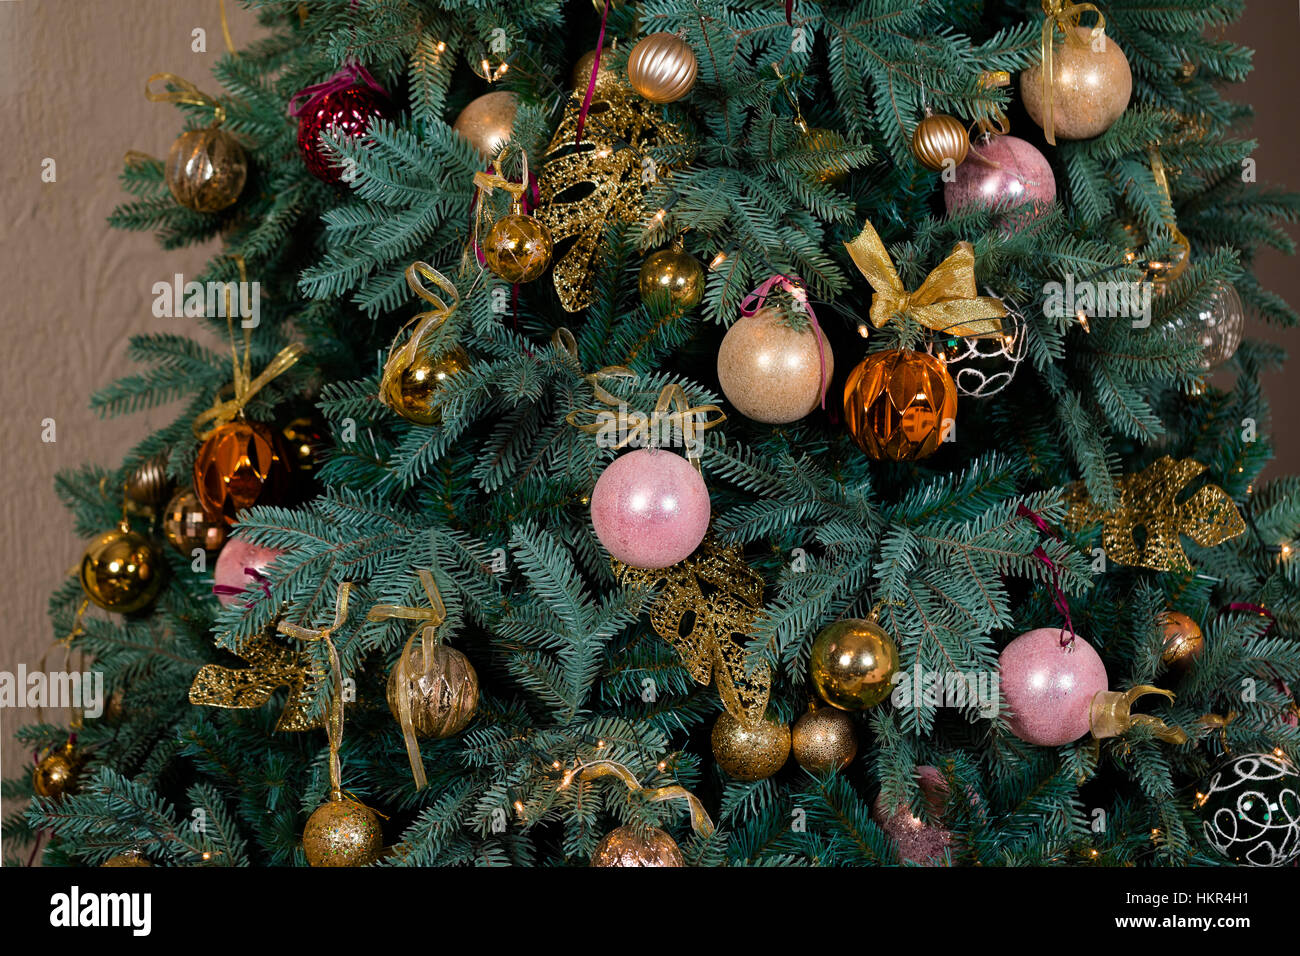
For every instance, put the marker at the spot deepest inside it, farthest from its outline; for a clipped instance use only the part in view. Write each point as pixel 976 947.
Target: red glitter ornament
pixel 345 105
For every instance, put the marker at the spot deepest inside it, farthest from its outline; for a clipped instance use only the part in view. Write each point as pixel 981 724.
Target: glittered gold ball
pixel 121 571
pixel 662 67
pixel 816 138
pixel 415 392
pixel 56 773
pixel 518 247
pixel 896 404
pixel 1183 639
pixel 443 693
pixel 627 846
pixel 672 279
pixel 187 526
pixel 342 833
pixel 148 484
pixel 853 663
pixel 488 121
pixel 771 372
pixel 126 859
pixel 940 141
pixel 239 465
pixel 581 74
pixel 823 739
pixel 1091 86
pixel 206 169
pixel 750 751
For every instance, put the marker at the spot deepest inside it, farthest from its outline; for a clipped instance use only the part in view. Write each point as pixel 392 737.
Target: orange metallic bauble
pixel 896 403
pixel 1182 637
pixel 238 466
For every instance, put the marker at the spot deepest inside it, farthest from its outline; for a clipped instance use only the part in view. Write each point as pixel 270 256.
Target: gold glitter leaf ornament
pixel 1149 501
pixel 271 666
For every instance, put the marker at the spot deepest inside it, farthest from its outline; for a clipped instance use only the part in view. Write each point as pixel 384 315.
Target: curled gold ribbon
pixel 1161 176
pixel 184 92
pixel 994 122
pixel 1066 15
pixel 1110 714
pixel 1219 723
pixel 485 182
pixel 689 418
pixel 225 30
pixel 563 338
pixel 401 357
pixel 700 821
pixel 946 301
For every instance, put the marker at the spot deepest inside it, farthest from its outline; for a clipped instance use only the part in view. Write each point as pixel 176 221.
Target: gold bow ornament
pixel 700 821
pixel 1065 16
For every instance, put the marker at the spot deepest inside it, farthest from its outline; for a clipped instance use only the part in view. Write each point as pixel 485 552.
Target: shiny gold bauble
pixel 126 859
pixel 304 440
pixel 750 751
pixel 581 75
pixel 415 392
pixel 206 169
pixel 823 739
pixel 56 773
pixel 1183 639
pixel 1090 87
pixel 627 846
pixel 341 832
pixel 121 571
pixel 239 465
pixel 662 67
pixel 487 121
pixel 853 663
pixel 896 403
pixel 518 247
pixel 443 694
pixel 672 279
pixel 940 141
pixel 148 485
pixel 817 138
pixel 187 526
pixel 769 371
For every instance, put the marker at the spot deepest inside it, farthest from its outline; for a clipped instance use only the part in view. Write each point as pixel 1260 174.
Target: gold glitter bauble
pixel 518 247
pixel 1183 639
pixel 672 279
pixel 206 169
pixel 1091 86
pixel 342 833
pixel 818 138
pixel 823 739
pixel 581 75
pixel 487 121
pixel 443 694
pixel 662 67
pixel 750 751
pixel 771 372
pixel 940 141
pixel 56 773
pixel 148 484
pixel 121 571
pixel 415 394
pixel 187 526
pixel 852 664
pixel 628 847
pixel 126 859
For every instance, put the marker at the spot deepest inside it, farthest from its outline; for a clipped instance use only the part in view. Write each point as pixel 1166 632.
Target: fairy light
pixel 863 329
pixel 442 47
pixel 1200 799
pixel 718 260
pixel 658 218
pixel 1082 318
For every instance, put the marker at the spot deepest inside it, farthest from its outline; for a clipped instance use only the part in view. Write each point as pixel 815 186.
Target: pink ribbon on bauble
pixel 1058 596
pixel 794 286
pixel 351 74
pixel 225 590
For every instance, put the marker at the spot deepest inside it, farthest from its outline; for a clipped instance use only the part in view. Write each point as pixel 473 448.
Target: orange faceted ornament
pixel 896 403
pixel 238 466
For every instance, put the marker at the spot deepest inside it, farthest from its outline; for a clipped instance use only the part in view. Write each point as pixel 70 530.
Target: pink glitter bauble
pixel 1004 171
pixel 237 569
pixel 650 508
pixel 1049 688
pixel 918 841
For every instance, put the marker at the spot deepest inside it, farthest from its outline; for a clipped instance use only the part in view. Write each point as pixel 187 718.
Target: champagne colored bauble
pixel 824 739
pixel 206 169
pixel 917 841
pixel 817 138
pixel 134 858
pixel 769 371
pixel 415 393
pixel 344 113
pixel 750 751
pixel 999 172
pixel 187 526
pixel 1183 639
pixel 121 571
pixel 662 67
pixel 240 570
pixel 852 664
pixel 487 121
pixel 896 404
pixel 518 247
pixel 148 485
pixel 1048 688
pixel 56 773
pixel 443 692
pixel 341 832
pixel 1219 327
pixel 940 142
pixel 671 279
pixel 1091 86
pixel 238 466
pixel 627 846
pixel 650 508
pixel 1250 809
pixel 581 75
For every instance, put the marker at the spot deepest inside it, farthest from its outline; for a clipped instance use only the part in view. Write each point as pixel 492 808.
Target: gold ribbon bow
pixel 431 616
pixel 401 357
pixel 485 182
pixel 183 92
pixel 700 821
pixel 946 302
pixel 1110 715
pixel 644 430
pixel 1065 15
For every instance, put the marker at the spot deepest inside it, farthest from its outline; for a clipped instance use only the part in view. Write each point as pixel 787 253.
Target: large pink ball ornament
pixel 1049 688
pixel 240 571
pixel 650 508
pixel 1002 171
pixel 917 841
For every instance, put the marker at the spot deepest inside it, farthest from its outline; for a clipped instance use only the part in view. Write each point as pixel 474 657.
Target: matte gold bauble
pixel 627 846
pixel 896 403
pixel 415 392
pixel 121 571
pixel 662 67
pixel 940 141
pixel 672 279
pixel 238 466
pixel 769 371
pixel 187 526
pixel 581 75
pixel 487 121
pixel 148 485
pixel 206 169
pixel 518 247
pixel 56 773
pixel 126 859
pixel 442 690
pixel 817 138
pixel 823 739
pixel 1183 639
pixel 341 832
pixel 853 663
pixel 750 751
pixel 1091 86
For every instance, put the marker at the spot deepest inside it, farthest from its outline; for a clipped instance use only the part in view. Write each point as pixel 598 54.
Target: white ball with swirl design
pixel 662 67
pixel 1250 810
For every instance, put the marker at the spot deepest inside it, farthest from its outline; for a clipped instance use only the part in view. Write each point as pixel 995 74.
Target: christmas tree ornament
pixel 671 280
pixel 239 465
pixel 1220 327
pixel 488 121
pixel 852 664
pixel 517 247
pixel 1082 85
pixel 899 405
pixel 57 771
pixel 1048 678
pixel 131 858
pixel 981 366
pixel 940 142
pixel 148 484
pixel 206 168
pixel 918 842
pixel 662 67
pixel 1250 809
pixel 1144 529
pixel 121 571
pixel 343 107
pixel 823 739
pixel 775 368
pixel 1000 172
pixel 1182 639
pixel 270 666
pixel 628 846
pixel 650 508
pixel 816 139
pixel 415 376
pixel 581 75
pixel 240 574
pixel 342 832
pixel 187 526
pixel 750 750
pixel 304 442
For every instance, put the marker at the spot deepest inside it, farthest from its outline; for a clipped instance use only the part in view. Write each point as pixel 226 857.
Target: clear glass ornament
pixel 1219 327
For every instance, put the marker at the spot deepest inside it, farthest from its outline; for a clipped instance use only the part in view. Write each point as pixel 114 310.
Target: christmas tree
pixel 693 433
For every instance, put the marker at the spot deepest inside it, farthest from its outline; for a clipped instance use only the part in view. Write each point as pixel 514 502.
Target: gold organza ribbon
pixel 183 92
pixel 689 419
pixel 700 821
pixel 1110 715
pixel 402 357
pixel 1065 15
pixel 946 301
pixel 485 182
pixel 992 121
pixel 1161 176
pixel 225 30
pixel 563 338
pixel 431 616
